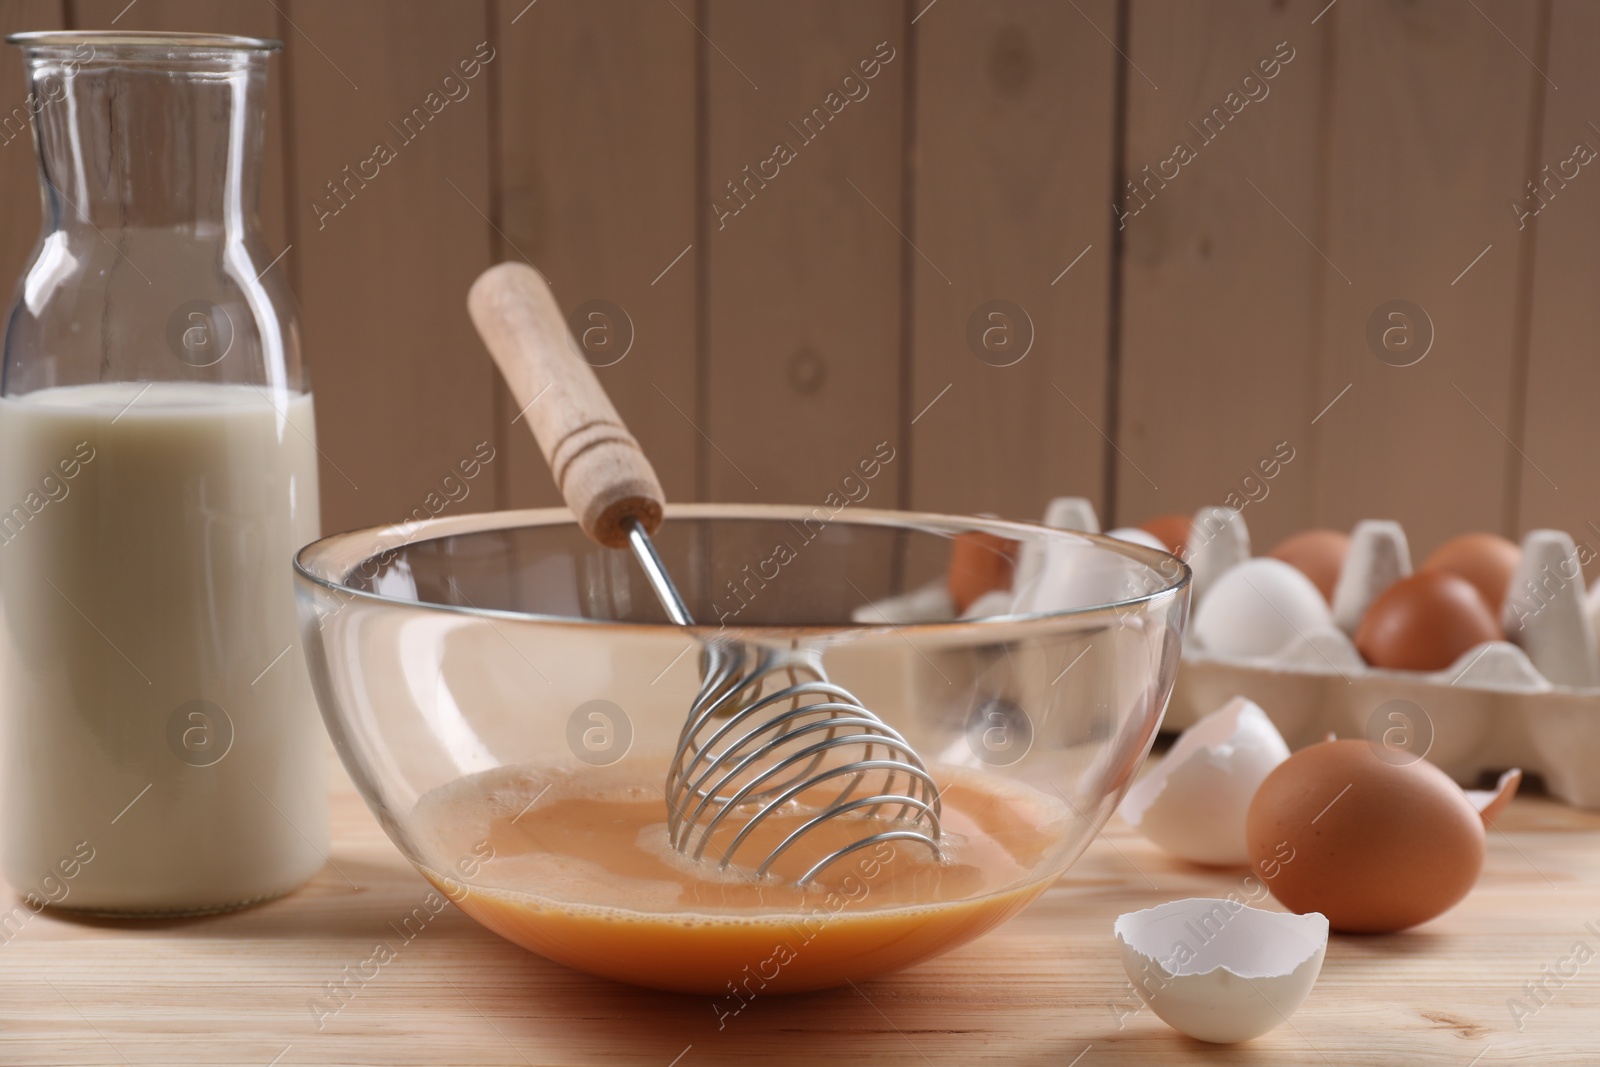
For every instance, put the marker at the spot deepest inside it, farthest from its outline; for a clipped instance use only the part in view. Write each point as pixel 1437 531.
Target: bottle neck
pixel 132 143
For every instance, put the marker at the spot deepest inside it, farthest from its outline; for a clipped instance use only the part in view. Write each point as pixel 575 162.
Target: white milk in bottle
pixel 159 714
pixel 160 748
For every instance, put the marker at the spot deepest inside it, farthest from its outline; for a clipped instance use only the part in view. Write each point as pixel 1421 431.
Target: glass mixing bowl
pixel 506 695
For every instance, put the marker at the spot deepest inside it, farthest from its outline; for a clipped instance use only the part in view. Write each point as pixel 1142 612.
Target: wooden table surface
pixel 1047 988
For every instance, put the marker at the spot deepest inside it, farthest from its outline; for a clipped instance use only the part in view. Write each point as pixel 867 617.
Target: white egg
pixel 1220 970
pixel 1256 608
pixel 1194 802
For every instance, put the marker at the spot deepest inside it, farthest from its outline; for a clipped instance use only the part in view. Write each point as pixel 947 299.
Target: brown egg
pixel 1486 560
pixel 1170 530
pixel 1373 845
pixel 1317 554
pixel 979 563
pixel 1424 623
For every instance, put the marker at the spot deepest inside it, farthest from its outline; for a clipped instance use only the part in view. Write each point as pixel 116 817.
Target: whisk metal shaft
pixel 644 550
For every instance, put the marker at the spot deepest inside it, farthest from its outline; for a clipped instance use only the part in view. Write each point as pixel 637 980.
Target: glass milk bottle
pixel 158 469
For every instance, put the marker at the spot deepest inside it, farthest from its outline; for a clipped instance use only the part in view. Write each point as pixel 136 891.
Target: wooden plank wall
pixel 1377 167
pixel 1220 304
pixel 595 165
pixel 800 260
pixel 1561 434
pixel 1430 125
pixel 1013 173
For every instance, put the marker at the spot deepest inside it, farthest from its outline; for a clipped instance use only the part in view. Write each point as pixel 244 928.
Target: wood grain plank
pixel 19 172
pixel 404 389
pixel 1430 123
pixel 1014 172
pixel 804 263
pixel 1037 991
pixel 215 16
pixel 597 181
pixel 1562 435
pixel 1219 310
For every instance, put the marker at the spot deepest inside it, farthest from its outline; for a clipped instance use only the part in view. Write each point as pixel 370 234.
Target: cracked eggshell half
pixel 1219 970
pixel 1194 802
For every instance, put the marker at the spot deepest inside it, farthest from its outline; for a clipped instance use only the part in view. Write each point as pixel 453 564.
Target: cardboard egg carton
pixel 1532 701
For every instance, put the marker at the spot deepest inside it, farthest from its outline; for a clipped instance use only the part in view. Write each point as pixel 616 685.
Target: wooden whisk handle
pixel 597 463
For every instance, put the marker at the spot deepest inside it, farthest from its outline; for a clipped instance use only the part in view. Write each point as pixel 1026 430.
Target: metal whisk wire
pixel 753 750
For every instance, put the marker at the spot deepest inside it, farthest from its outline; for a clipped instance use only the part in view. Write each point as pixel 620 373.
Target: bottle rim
pixel 144 40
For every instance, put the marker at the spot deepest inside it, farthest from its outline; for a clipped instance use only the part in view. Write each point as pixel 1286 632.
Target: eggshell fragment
pixel 1258 608
pixel 1219 970
pixel 1379 556
pixel 1374 845
pixel 1545 611
pixel 1318 554
pixel 1491 802
pixel 1486 560
pixel 1193 803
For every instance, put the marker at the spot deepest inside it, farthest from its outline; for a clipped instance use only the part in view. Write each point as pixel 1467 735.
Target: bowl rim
pixel 144 40
pixel 406 534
